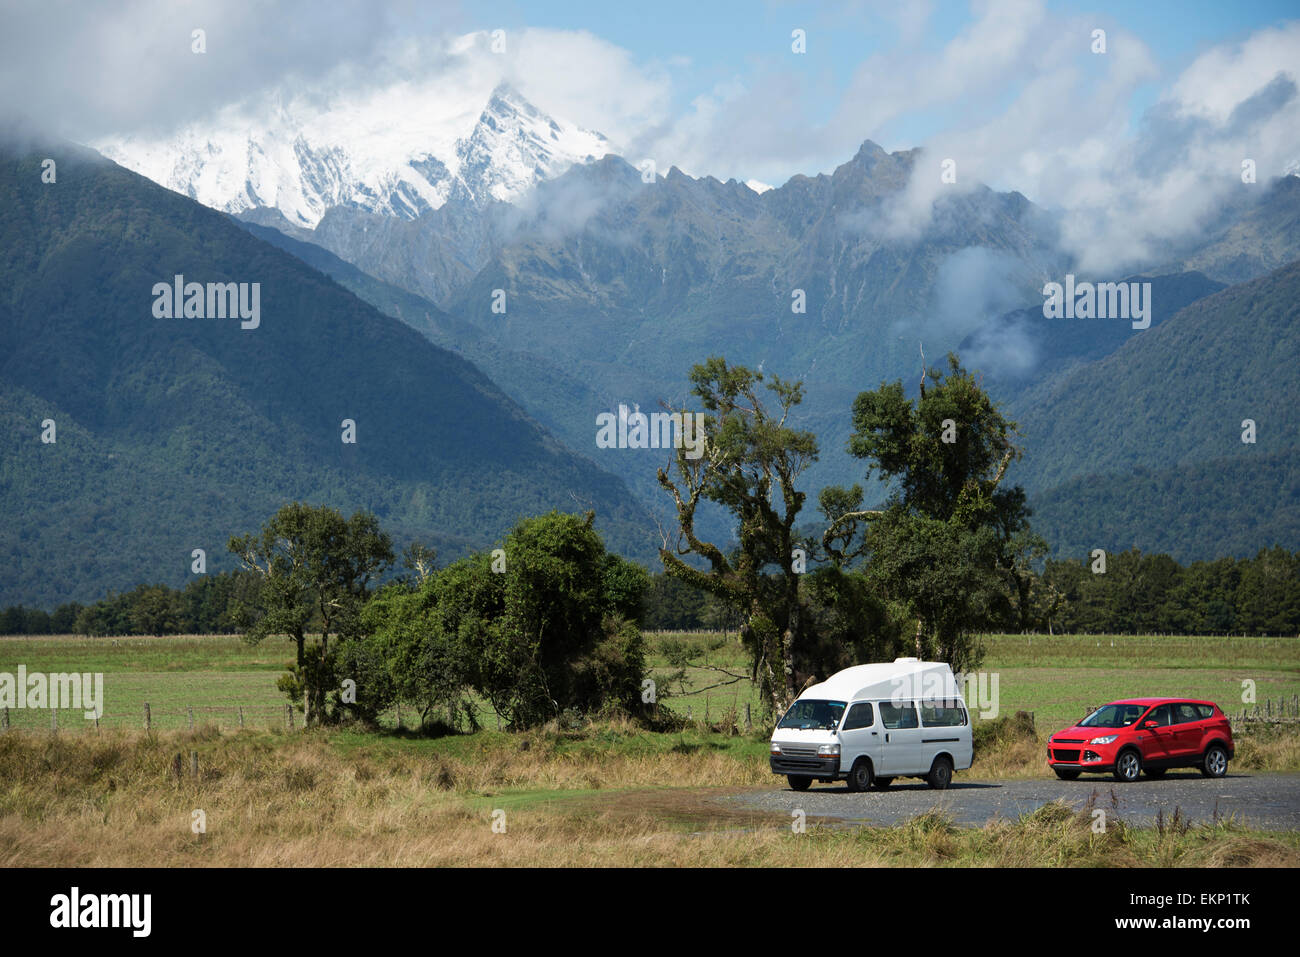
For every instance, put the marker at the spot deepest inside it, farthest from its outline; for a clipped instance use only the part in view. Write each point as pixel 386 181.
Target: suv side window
pixel 1205 711
pixel 898 715
pixel 860 716
pixel 1162 716
pixel 1185 714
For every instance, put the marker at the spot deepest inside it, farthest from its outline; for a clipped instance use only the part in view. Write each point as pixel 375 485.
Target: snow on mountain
pixel 398 153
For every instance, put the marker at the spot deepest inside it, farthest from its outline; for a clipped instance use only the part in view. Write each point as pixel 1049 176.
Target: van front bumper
pixel 816 767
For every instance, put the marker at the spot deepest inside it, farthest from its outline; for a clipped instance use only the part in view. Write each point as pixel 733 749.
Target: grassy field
pixel 605 793
pixel 556 799
pixel 1057 679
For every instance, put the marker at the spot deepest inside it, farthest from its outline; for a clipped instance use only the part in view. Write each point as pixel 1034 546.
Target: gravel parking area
pixel 1265 801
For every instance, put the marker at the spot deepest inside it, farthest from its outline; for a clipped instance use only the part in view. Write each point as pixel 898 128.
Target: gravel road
pixel 1266 801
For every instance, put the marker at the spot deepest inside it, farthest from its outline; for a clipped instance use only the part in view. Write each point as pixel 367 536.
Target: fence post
pixel 241 715
pixel 190 712
pixel 706 709
pixel 288 715
pixel 749 724
pixel 148 719
pixel 54 721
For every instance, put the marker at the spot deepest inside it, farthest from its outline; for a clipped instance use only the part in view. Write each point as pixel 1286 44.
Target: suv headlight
pixel 829 750
pixel 1105 739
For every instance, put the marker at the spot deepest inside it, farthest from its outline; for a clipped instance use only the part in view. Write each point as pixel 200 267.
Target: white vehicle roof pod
pixel 903 679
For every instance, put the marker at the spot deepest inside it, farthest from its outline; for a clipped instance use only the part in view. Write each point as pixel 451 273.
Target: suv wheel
pixel 940 775
pixel 1128 766
pixel 860 775
pixel 1215 762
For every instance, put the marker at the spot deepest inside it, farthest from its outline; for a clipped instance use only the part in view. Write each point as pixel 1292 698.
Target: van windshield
pixel 813 715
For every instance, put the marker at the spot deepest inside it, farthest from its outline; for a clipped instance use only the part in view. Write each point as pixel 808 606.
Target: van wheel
pixel 1128 766
pixel 798 782
pixel 860 775
pixel 883 784
pixel 1066 775
pixel 1215 762
pixel 940 775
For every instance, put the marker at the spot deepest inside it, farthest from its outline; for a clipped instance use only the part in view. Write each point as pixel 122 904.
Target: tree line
pixel 550 621
pixel 1136 594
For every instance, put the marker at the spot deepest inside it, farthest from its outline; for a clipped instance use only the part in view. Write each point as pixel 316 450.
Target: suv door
pixel 901 752
pixel 859 736
pixel 1188 730
pixel 1156 743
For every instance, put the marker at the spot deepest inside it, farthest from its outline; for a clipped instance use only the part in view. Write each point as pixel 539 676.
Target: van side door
pixel 860 735
pixel 902 751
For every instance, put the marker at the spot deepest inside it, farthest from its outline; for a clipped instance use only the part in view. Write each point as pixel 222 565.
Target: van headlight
pixel 829 750
pixel 1105 739
pixel 775 748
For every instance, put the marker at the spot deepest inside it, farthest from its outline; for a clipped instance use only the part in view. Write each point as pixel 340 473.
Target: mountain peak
pixel 400 165
pixel 869 152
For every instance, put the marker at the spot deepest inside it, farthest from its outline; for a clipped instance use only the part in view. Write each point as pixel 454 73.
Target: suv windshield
pixel 812 715
pixel 1113 716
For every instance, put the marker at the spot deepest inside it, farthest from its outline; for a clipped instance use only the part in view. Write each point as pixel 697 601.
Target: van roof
pixel 905 677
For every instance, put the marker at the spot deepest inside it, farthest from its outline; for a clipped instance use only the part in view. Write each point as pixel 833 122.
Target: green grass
pixel 215 675
pixel 1056 678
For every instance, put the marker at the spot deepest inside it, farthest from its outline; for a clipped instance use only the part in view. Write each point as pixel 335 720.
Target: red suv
pixel 1144 734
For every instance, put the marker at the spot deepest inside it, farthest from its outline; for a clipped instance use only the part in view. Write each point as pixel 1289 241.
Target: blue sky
pixel 1134 148
pixel 712 42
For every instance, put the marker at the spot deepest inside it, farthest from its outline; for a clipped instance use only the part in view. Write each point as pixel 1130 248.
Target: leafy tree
pixel 1268 596
pixel 943 543
pixel 315 567
pixel 545 633
pixel 749 466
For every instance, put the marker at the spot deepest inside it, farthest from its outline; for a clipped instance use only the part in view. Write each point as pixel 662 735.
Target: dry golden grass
pixel 123 798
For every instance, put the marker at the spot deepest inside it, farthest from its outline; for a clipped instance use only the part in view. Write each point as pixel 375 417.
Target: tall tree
pixel 315 567
pixel 749 465
pixel 945 539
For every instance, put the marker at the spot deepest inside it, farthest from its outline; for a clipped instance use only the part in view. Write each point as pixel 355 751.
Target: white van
pixel 870 724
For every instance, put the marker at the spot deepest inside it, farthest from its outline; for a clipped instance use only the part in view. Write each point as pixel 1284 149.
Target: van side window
pixel 942 714
pixel 898 716
pixel 860 716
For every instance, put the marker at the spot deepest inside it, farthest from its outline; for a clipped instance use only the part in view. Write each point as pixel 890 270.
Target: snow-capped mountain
pixel 392 155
